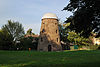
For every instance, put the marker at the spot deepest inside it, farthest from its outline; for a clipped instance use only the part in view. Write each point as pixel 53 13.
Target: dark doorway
pixel 49 47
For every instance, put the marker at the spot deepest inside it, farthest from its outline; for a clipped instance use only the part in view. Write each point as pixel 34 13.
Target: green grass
pixel 50 59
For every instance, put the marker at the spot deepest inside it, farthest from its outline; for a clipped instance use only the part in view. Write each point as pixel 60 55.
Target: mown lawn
pixel 50 59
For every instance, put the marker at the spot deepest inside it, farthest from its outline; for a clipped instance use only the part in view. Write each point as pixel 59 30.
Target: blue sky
pixel 30 12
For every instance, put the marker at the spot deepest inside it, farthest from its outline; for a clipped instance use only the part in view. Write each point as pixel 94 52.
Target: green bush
pixel 94 47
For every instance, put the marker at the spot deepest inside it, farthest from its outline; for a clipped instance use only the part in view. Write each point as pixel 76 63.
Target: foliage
pixel 27 42
pixel 10 33
pixel 77 39
pixel 5 40
pixel 67 35
pixel 29 32
pixel 86 16
pixel 63 32
pixel 14 29
pixel 94 47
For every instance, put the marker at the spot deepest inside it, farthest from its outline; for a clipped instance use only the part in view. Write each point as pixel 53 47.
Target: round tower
pixel 49 39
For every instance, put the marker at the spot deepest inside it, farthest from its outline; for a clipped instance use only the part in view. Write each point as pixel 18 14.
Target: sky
pixel 30 12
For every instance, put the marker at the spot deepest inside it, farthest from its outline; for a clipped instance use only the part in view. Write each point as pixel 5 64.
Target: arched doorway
pixel 49 47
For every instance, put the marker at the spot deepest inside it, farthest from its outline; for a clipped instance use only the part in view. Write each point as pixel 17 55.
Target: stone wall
pixel 49 35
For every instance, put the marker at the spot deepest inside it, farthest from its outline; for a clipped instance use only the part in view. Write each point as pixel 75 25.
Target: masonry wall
pixel 49 35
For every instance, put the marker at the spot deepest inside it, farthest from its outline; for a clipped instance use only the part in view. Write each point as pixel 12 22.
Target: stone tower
pixel 49 39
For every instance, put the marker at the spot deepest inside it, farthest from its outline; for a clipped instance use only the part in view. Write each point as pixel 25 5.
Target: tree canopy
pixel 14 29
pixel 10 33
pixel 86 16
pixel 29 32
pixel 5 40
pixel 69 36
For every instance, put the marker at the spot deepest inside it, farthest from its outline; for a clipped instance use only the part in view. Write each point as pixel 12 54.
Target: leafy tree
pixel 29 32
pixel 77 39
pixel 14 29
pixel 63 29
pixel 27 42
pixel 5 40
pixel 10 34
pixel 71 36
pixel 86 16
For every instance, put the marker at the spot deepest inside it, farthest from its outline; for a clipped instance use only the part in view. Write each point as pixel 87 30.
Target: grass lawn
pixel 50 59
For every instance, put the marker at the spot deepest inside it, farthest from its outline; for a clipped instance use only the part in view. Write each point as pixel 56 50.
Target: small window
pixel 55 23
pixel 41 39
pixel 56 31
pixel 57 39
pixel 43 30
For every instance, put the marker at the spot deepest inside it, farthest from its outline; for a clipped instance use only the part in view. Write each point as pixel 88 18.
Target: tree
pixel 86 16
pixel 71 36
pixel 14 29
pixel 27 42
pixel 29 32
pixel 10 34
pixel 5 40
pixel 63 29
pixel 77 39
